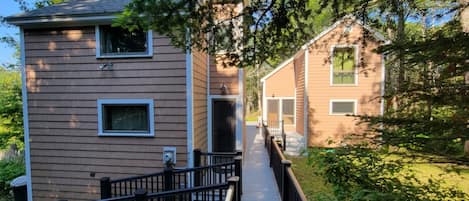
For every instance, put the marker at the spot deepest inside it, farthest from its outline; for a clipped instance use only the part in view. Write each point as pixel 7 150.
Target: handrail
pixel 188 190
pixel 204 167
pixel 295 182
pixel 137 177
pixel 289 186
pixel 220 153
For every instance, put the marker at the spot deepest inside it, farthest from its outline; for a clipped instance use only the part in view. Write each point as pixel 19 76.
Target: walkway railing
pixel 222 166
pixel 217 192
pixel 277 128
pixel 290 189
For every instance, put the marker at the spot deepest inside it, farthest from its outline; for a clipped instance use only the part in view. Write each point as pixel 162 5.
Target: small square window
pixel 342 107
pixel 119 42
pixel 343 66
pixel 122 117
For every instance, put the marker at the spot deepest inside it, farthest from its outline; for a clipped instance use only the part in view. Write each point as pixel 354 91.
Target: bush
pixel 358 173
pixel 10 168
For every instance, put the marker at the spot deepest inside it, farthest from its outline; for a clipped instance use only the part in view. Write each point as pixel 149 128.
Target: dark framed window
pixel 119 42
pixel 122 117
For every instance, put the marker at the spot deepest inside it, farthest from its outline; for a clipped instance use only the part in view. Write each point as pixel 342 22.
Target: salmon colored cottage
pixel 335 74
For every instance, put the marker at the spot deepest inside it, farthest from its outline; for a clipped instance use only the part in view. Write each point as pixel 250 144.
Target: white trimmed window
pixel 344 65
pixel 279 109
pixel 125 117
pixel 343 107
pixel 116 42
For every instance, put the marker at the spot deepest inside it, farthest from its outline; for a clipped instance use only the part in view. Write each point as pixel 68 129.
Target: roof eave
pixel 70 20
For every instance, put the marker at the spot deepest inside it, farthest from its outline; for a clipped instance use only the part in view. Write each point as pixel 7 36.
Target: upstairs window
pixel 123 117
pixel 344 66
pixel 119 42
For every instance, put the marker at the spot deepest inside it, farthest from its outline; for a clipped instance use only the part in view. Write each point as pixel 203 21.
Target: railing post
pixel 105 185
pixel 234 181
pixel 284 137
pixel 140 195
pixel 285 188
pixel 239 171
pixel 272 141
pixel 168 181
pixel 197 157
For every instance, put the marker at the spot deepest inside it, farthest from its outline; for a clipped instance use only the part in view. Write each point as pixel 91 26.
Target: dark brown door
pixel 223 125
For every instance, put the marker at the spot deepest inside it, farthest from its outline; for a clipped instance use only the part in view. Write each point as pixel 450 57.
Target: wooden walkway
pixel 258 178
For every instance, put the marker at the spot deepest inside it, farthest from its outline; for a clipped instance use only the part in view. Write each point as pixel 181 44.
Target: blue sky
pixel 7 8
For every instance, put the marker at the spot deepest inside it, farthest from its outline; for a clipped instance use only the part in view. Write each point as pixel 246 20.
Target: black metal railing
pixel 288 185
pixel 228 191
pixel 215 173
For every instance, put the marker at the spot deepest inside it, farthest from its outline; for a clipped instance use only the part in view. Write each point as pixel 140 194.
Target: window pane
pixel 344 66
pixel 288 107
pixel 343 107
pixel 126 118
pixel 273 111
pixel 115 40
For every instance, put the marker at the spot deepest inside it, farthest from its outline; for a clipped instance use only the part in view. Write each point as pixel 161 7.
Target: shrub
pixel 358 173
pixel 10 168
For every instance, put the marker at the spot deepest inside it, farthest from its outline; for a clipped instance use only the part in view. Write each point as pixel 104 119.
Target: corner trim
pixel 189 108
pixel 306 98
pixel 383 82
pixel 240 110
pixel 24 93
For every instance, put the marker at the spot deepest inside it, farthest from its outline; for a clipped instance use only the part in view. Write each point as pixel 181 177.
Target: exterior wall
pixel 221 75
pixel 63 82
pixel 322 126
pixel 282 84
pixel 200 99
pixel 299 66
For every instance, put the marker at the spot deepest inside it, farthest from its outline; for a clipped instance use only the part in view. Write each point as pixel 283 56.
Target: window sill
pixel 341 114
pixel 344 85
pixel 124 56
pixel 126 134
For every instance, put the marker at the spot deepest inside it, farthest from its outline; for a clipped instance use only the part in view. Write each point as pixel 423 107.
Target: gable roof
pixel 72 10
pixel 378 36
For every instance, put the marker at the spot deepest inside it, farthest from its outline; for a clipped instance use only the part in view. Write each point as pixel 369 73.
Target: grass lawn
pixel 252 116
pixel 314 185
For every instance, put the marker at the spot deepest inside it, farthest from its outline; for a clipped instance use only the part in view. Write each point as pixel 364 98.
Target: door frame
pixel 238 115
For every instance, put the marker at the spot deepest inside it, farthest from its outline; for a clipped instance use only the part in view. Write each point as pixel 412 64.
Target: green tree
pixel 11 110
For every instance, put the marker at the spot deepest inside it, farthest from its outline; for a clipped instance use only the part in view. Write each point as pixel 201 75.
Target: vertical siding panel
pixel 64 82
pixel 200 99
pixel 299 67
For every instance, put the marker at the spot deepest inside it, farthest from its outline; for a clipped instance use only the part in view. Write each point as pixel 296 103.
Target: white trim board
pixel 190 102
pixel 278 68
pixel 24 93
pixel 151 116
pixel 306 99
